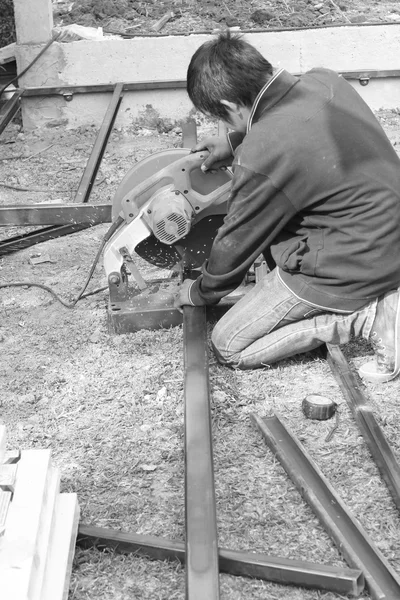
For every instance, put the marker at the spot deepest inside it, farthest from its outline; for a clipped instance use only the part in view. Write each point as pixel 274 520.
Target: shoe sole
pixel 369 370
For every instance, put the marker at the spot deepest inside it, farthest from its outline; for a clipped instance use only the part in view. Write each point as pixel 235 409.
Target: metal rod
pixel 26 240
pixel 189 134
pixel 9 110
pixel 246 564
pixel 55 214
pixel 93 164
pixel 69 90
pixel 381 579
pixel 202 572
pixel 376 441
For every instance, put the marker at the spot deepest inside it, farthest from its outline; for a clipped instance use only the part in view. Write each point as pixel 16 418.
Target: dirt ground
pixel 111 407
pixel 133 17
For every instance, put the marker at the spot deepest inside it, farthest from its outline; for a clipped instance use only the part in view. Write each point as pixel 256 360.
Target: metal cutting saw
pixel 170 211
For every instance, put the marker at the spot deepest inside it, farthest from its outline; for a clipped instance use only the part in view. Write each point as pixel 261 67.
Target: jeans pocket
pixel 299 312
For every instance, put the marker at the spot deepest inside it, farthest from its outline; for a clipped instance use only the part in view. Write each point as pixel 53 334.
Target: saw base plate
pixel 153 308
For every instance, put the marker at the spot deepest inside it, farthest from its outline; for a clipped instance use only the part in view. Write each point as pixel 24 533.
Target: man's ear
pixel 232 106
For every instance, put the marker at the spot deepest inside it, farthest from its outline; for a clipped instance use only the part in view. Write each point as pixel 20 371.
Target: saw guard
pixel 202 189
pixel 207 193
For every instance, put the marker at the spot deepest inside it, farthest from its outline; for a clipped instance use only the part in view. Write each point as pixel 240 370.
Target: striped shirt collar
pixel 280 83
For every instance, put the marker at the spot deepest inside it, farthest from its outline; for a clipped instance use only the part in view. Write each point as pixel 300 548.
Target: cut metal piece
pixel 376 441
pixel 54 214
pixel 245 564
pixel 189 134
pixel 9 110
pixel 381 579
pixel 93 164
pixel 202 571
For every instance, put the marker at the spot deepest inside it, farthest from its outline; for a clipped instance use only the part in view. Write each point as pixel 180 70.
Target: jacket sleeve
pixel 257 212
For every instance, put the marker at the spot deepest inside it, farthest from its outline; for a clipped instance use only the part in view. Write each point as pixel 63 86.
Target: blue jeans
pixel 270 323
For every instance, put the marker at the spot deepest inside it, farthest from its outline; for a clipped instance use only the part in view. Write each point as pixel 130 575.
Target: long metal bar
pixel 261 566
pixel 352 541
pixel 377 443
pixel 55 214
pixel 9 109
pixel 26 240
pixel 93 164
pixel 70 90
pixel 202 571
pixel 138 86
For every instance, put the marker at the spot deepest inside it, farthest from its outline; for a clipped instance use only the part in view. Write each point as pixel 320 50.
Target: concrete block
pixel 33 21
pixel 342 48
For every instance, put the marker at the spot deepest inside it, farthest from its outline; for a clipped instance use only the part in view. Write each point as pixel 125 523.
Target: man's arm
pixel 257 212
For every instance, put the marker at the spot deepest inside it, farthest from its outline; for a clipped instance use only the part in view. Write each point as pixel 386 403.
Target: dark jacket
pixel 316 188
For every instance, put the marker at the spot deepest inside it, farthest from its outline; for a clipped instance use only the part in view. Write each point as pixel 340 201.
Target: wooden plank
pixel 5 499
pixel 61 549
pixel 11 457
pixel 34 498
pixel 7 477
pixel 44 536
pixel 3 440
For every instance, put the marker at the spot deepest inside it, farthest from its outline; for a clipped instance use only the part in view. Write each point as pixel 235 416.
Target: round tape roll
pixel 318 407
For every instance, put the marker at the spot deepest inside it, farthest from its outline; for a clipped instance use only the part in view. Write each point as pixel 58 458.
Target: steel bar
pixel 69 91
pixel 55 214
pixel 26 240
pixel 189 134
pixel 9 109
pixel 246 564
pixel 381 579
pixel 202 571
pixel 93 164
pixel 376 441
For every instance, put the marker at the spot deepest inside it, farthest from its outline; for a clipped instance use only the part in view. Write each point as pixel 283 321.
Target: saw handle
pixel 185 176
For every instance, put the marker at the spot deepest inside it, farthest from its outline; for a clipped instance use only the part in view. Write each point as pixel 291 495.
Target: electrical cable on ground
pixel 81 294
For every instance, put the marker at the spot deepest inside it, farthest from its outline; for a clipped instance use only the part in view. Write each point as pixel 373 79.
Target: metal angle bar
pixel 202 572
pixel 9 110
pixel 376 441
pixel 103 88
pixel 381 579
pixel 189 134
pixel 54 214
pixel 137 86
pixel 245 564
pixel 93 164
pixel 26 240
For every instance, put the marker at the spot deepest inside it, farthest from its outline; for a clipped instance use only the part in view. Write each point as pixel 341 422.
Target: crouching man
pixel 316 190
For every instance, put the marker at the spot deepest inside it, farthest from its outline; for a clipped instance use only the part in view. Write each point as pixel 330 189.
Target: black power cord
pixel 81 294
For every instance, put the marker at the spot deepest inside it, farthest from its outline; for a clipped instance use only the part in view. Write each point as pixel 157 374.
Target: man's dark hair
pixel 227 68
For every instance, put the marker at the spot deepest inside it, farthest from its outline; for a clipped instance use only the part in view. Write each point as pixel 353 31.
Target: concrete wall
pixel 342 48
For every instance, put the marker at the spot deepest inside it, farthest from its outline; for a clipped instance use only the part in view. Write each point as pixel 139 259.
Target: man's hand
pixel 218 147
pixel 183 297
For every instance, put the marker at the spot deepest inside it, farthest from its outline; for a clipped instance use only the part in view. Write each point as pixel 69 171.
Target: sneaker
pixel 385 339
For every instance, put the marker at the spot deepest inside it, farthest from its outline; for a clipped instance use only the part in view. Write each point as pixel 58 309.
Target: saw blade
pixel 192 249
